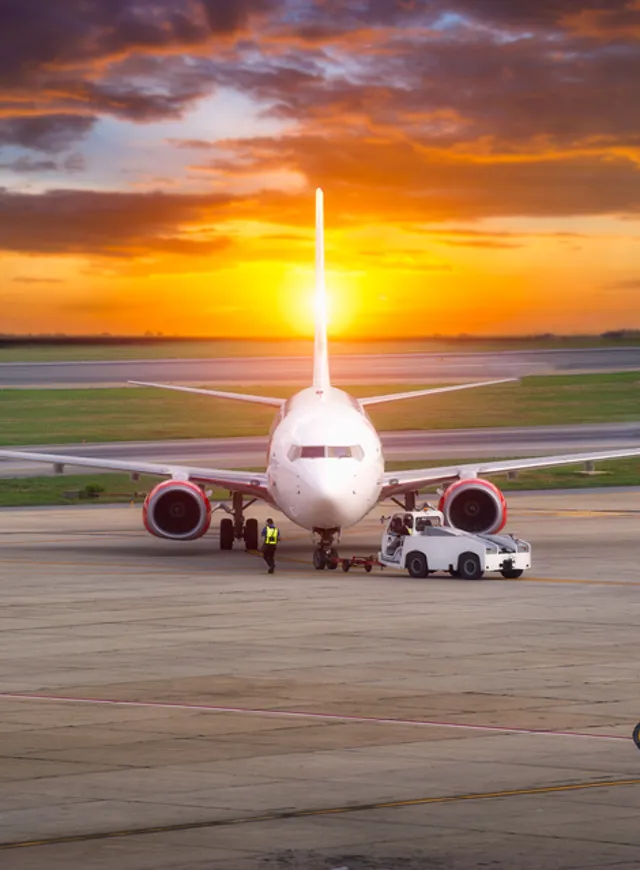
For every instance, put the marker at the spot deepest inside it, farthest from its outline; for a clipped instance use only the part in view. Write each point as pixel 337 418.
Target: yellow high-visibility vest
pixel 272 535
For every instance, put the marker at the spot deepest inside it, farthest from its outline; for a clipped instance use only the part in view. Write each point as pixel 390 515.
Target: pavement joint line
pixel 310 813
pixel 307 714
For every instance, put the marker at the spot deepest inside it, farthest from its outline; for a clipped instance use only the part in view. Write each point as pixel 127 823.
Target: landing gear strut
pixel 409 502
pixel 325 555
pixel 237 529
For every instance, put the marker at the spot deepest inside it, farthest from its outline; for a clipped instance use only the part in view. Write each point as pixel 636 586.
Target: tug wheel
pixel 416 564
pixel 512 573
pixel 469 567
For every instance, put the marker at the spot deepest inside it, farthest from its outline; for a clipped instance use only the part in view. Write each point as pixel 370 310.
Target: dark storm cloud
pixel 50 133
pixel 55 33
pixel 530 12
pixel 538 108
pixel 65 53
pixel 112 224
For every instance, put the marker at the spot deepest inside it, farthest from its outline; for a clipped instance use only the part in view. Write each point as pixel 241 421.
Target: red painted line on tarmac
pixel 305 714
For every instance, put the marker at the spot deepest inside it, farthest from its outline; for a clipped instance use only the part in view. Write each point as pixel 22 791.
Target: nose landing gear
pixel 325 555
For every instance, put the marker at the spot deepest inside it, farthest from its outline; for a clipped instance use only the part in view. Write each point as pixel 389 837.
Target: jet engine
pixel 475 506
pixel 178 510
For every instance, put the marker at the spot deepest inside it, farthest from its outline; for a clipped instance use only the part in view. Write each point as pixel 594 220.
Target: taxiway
pixel 399 368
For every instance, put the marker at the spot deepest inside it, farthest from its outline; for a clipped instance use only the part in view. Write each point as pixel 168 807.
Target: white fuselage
pixel 325 460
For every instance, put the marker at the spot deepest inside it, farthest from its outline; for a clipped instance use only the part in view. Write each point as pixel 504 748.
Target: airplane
pixel 325 466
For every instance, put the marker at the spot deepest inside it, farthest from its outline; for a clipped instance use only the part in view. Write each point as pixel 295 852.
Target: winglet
pixel 321 379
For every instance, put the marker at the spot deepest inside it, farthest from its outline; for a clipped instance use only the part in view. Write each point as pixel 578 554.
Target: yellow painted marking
pixel 300 814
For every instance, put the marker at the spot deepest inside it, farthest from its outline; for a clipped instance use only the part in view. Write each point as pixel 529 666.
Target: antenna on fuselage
pixel 321 380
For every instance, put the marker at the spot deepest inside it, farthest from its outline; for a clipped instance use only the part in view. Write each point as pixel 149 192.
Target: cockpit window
pixel 321 451
pixel 313 452
pixel 339 452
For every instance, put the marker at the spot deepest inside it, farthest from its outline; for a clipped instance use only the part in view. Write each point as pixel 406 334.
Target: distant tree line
pixel 105 339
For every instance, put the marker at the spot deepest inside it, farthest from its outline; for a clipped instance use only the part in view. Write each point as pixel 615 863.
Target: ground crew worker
pixel 271 539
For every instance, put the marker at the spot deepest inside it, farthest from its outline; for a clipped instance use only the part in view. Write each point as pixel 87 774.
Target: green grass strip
pixel 140 414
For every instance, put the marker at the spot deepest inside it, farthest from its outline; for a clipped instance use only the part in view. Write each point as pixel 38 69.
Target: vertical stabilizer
pixel 320 350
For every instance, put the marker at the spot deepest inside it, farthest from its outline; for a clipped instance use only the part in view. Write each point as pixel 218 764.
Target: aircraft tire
pixel 251 534
pixel 226 534
pixel 319 560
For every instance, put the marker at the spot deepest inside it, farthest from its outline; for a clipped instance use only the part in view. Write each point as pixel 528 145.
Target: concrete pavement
pixel 346 370
pixel 370 722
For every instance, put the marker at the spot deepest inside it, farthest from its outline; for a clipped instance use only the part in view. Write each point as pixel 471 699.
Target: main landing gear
pixel 239 529
pixel 325 555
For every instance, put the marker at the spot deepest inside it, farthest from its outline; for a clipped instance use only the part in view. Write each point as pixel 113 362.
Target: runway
pixel 346 370
pixel 398 446
pixel 166 706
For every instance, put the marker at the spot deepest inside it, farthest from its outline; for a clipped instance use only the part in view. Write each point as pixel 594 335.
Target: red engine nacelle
pixel 178 510
pixel 475 506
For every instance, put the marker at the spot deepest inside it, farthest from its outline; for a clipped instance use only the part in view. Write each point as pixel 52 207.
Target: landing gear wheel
pixel 469 567
pixel 319 560
pixel 251 534
pixel 226 534
pixel 416 564
pixel 332 560
pixel 512 573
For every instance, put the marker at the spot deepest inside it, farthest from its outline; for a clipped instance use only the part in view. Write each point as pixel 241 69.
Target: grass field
pixel 207 349
pixel 118 488
pixel 139 414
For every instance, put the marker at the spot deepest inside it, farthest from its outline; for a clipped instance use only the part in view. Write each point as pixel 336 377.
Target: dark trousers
pixel 269 555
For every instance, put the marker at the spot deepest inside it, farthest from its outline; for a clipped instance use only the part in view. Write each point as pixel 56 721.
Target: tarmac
pixel 400 368
pixel 171 706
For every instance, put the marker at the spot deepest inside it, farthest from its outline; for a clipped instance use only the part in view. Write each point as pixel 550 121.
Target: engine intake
pixel 178 510
pixel 475 506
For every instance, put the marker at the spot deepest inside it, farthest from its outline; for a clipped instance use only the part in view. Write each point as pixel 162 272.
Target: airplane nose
pixel 333 490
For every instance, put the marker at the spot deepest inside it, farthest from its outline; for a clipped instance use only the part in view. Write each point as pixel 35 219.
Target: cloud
pixel 73 54
pixel 624 284
pixel 26 165
pixel 41 35
pixel 492 244
pixel 50 133
pixel 108 224
pixel 405 182
pixel 26 280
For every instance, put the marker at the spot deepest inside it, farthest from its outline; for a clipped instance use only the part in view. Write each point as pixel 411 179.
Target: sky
pixel 480 161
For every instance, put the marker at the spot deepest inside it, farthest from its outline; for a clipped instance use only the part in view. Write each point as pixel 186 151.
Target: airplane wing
pixel 395 482
pixel 416 394
pixel 217 394
pixel 247 482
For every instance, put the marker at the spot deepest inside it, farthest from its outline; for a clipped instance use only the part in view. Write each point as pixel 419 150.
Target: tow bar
pixel 366 562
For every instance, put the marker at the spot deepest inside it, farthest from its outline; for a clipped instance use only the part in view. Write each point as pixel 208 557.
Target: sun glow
pixel 298 302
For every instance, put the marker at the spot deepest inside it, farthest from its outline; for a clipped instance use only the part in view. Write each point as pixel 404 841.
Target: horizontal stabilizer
pixel 217 394
pixel 416 394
